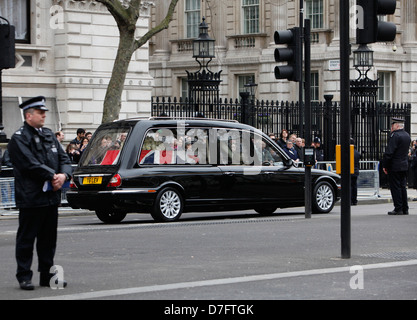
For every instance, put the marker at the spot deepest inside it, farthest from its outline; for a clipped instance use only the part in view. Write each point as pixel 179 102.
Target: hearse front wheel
pixel 323 197
pixel 168 205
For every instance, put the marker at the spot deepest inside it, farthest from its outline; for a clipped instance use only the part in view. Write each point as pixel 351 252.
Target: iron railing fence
pixel 370 122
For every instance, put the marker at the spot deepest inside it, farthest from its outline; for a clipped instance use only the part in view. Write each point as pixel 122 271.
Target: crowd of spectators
pixel 293 145
pixel 75 147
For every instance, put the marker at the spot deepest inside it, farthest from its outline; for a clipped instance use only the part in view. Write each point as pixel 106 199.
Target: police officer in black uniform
pixel 40 168
pixel 395 165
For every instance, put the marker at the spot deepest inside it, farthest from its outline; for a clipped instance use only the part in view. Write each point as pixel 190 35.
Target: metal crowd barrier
pixel 7 193
pixel 368 180
pixel 7 197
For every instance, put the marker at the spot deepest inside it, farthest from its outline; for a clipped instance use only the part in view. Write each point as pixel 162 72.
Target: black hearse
pixel 166 167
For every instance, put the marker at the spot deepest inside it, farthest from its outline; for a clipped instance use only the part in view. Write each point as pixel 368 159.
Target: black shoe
pixel 395 213
pixel 405 213
pixel 45 281
pixel 26 285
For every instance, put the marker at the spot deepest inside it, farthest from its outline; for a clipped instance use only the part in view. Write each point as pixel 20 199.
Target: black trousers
pixel 40 224
pixel 398 186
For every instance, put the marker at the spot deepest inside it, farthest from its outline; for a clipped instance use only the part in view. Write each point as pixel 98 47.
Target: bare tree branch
pixel 126 19
pixel 116 9
pixel 163 25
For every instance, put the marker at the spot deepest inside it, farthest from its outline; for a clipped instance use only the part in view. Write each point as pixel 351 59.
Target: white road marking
pixel 224 281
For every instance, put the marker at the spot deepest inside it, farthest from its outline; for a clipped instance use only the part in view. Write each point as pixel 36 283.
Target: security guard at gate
pixel 40 168
pixel 395 165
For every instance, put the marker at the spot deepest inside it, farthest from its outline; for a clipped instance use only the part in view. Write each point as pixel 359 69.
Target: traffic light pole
pixel 345 129
pixel 293 71
pixel 307 113
pixel 300 59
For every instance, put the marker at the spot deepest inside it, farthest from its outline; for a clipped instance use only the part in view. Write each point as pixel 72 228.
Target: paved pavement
pixel 249 258
pixel 245 257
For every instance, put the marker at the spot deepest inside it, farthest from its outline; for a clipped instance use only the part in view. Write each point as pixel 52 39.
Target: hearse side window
pixel 230 150
pixel 242 147
pixel 266 153
pixel 105 147
pixel 258 151
pixel 169 146
pixel 213 146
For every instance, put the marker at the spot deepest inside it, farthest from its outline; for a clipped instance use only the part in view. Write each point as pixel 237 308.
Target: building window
pixel 314 12
pixel 17 12
pixel 192 16
pixel 384 86
pixel 245 79
pixel 184 88
pixel 250 16
pixel 315 87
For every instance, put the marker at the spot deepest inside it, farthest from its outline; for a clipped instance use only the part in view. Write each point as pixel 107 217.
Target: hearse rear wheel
pixel 168 205
pixel 109 216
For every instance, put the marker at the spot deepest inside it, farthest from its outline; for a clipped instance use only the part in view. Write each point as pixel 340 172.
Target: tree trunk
pixel 113 99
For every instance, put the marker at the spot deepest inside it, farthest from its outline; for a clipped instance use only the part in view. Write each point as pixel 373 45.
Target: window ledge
pixel 252 40
pixel 39 52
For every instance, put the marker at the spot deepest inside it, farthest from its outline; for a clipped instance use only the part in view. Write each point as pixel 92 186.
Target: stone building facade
pixel 244 34
pixel 65 51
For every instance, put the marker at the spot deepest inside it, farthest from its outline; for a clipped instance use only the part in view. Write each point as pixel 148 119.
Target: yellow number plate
pixel 92 180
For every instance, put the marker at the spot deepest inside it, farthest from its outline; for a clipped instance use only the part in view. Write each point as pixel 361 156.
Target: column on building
pixel 409 51
pixel 409 22
pixel 162 49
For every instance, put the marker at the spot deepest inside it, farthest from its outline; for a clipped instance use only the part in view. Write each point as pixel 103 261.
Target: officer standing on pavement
pixel 38 162
pixel 395 165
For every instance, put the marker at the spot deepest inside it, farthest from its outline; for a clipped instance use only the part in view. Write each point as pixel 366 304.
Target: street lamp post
pixel 248 102
pixel 203 46
pixel 363 91
pixel 204 84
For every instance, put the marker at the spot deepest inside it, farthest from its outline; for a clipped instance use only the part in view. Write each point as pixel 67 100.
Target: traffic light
pixel 371 30
pixel 291 54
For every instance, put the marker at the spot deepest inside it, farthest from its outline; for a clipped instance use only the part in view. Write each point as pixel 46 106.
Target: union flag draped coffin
pixel 111 157
pixel 167 157
pixel 157 157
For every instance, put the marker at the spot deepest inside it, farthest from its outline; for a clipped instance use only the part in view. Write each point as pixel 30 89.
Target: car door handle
pixel 228 173
pixel 268 172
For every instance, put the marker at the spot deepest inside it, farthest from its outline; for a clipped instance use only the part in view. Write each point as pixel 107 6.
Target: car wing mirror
pixel 288 163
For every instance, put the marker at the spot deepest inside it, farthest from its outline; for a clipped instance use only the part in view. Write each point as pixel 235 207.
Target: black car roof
pixel 162 121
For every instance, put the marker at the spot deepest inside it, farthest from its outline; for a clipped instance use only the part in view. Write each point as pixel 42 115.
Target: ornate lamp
pixel 363 58
pixel 203 46
pixel 251 88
